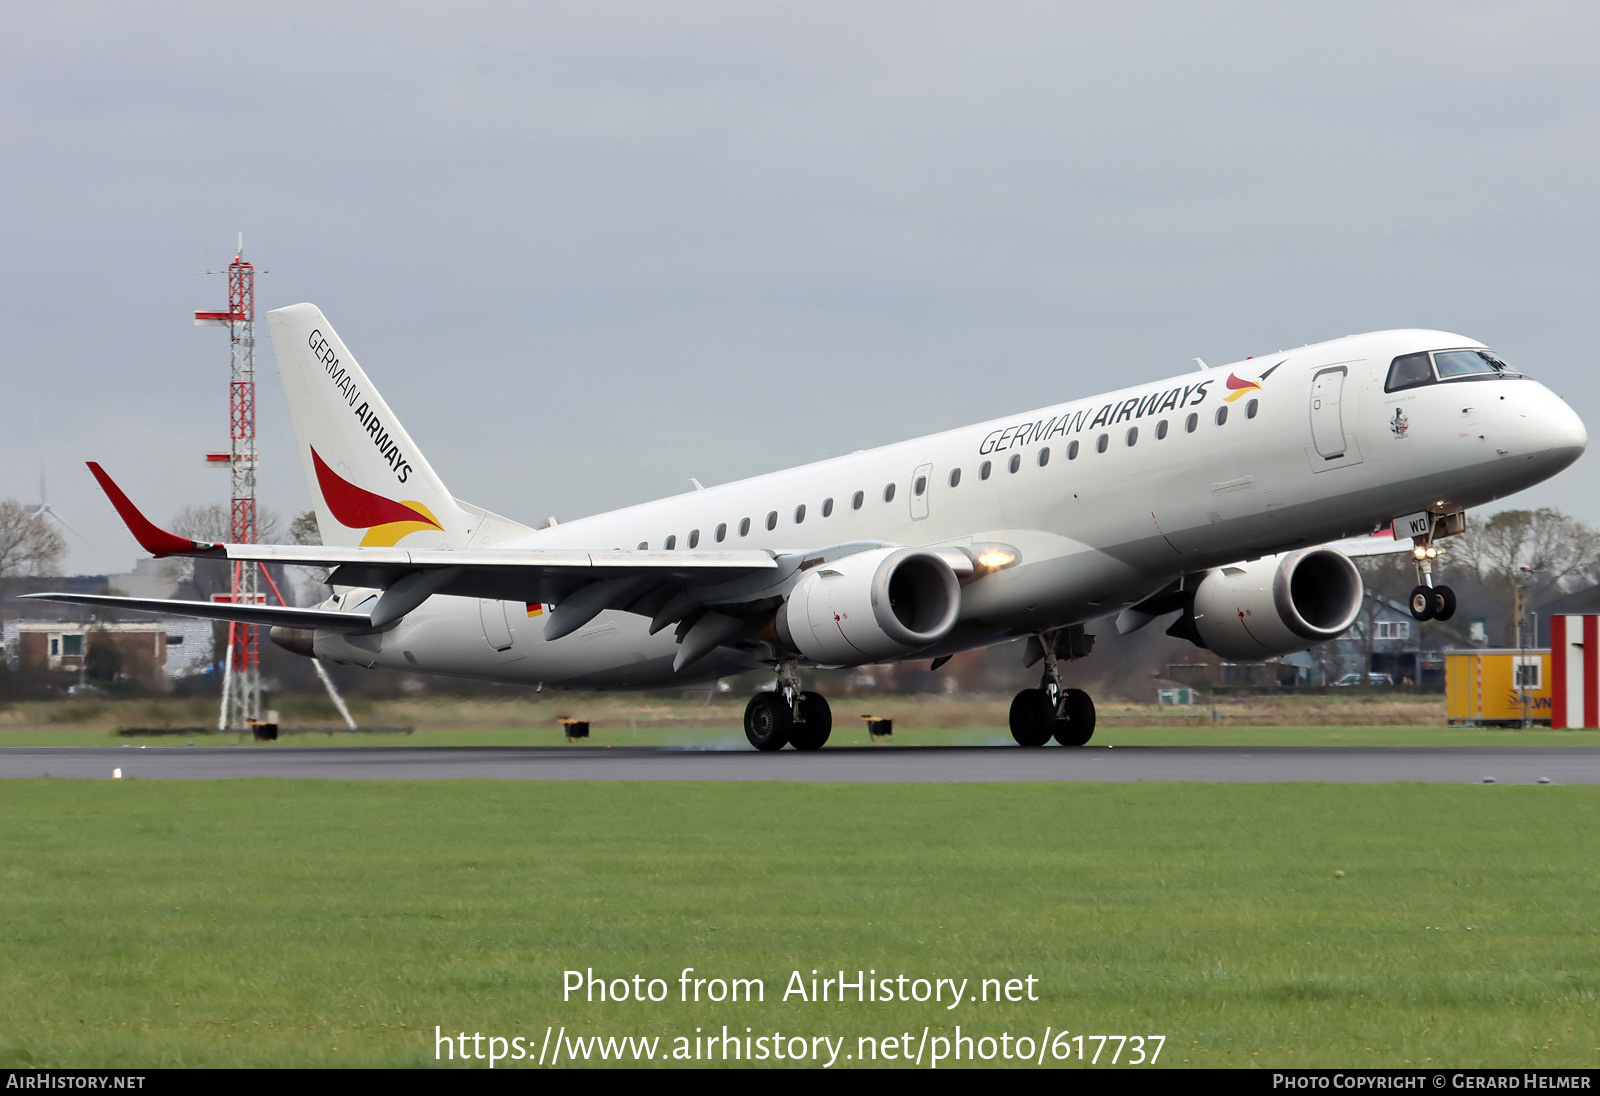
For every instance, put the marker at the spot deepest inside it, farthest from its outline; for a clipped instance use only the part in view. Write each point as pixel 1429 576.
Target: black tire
pixel 816 723
pixel 1444 603
pixel 768 721
pixel 1076 726
pixel 1033 717
pixel 1422 602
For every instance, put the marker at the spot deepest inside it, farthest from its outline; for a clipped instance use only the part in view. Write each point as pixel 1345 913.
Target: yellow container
pixel 1497 687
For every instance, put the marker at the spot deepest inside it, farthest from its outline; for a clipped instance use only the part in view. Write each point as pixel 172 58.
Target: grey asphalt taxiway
pixel 1206 764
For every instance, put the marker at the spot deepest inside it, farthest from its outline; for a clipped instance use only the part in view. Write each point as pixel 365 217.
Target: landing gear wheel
pixel 1076 725
pixel 1444 603
pixel 811 731
pixel 1422 605
pixel 1033 717
pixel 768 721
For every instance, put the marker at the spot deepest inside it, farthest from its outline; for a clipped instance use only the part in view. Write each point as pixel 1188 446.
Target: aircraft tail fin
pixel 371 483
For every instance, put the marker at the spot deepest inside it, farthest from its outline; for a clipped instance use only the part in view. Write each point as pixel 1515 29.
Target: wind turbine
pixel 43 509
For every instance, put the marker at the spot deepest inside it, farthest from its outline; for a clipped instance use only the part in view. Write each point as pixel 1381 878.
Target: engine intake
pixel 870 606
pixel 1277 604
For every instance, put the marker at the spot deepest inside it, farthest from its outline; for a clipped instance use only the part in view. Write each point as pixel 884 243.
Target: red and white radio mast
pixel 241 683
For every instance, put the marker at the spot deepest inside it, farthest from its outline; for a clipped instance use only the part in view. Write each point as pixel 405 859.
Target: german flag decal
pixel 534 609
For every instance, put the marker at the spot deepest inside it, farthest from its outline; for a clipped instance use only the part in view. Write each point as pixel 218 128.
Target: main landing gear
pixel 787 716
pixel 1429 602
pixel 1052 710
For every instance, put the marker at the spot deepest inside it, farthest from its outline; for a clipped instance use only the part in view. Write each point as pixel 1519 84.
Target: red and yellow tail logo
pixel 385 520
pixel 1238 387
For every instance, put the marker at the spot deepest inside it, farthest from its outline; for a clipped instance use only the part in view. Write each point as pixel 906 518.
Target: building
pixel 146 652
pixel 1387 639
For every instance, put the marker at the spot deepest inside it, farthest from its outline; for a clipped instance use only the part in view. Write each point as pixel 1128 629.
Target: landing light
pixel 994 557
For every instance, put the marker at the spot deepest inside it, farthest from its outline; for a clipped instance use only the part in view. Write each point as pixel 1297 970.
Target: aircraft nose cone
pixel 1563 431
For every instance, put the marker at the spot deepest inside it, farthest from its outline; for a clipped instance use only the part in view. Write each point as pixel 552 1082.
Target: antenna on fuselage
pixel 1203 366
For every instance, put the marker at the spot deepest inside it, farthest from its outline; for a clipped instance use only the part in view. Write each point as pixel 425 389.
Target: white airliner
pixel 1206 495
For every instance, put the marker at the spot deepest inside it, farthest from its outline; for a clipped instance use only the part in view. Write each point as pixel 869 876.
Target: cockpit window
pixel 1461 363
pixel 1411 370
pixel 1408 371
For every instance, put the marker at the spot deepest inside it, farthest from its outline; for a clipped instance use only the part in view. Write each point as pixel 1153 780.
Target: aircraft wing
pixel 1380 543
pixel 160 543
pixel 267 616
pixel 666 586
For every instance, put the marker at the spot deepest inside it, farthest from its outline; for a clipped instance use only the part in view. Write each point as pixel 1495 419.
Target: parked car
pixel 1372 679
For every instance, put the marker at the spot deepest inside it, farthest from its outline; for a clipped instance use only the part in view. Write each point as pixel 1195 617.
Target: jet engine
pixel 870 606
pixel 1276 605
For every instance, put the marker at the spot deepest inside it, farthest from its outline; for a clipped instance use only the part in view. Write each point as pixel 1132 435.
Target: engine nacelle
pixel 870 606
pixel 1278 604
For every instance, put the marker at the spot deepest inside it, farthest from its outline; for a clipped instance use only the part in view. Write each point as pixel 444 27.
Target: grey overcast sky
pixel 588 250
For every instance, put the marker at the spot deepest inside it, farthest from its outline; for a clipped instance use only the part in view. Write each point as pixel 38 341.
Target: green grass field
pixel 266 922
pixel 528 719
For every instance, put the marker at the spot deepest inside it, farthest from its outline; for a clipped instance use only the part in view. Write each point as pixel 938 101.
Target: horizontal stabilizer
pixel 267 616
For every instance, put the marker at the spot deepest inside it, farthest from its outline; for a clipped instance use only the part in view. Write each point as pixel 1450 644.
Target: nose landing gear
pixel 1429 602
pixel 1433 603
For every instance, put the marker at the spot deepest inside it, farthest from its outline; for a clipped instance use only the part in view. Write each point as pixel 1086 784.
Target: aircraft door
pixel 496 626
pixel 921 487
pixel 1327 421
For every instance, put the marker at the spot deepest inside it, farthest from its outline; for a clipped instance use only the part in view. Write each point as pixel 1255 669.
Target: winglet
pixel 153 539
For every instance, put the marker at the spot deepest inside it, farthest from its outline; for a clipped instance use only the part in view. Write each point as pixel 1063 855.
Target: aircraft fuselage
pixel 1103 501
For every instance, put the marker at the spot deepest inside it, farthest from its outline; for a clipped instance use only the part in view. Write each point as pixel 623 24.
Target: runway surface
pixel 1216 764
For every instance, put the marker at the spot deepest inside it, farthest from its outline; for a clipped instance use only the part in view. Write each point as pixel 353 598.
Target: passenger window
pixel 983 470
pixel 1072 451
pixel 772 520
pixel 857 499
pixel 1222 415
pixel 1101 442
pixel 920 486
pixel 1161 429
pixel 800 513
pixel 722 532
pixel 671 542
pixel 1133 436
pixel 1408 371
pixel 1191 422
pixel 1044 456
pixel 1016 462
pixel 888 492
pixel 744 527
pixel 827 508
pixel 955 477
pixel 694 538
pixel 1251 408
